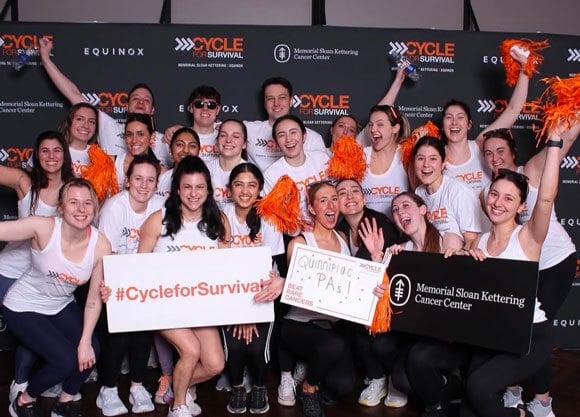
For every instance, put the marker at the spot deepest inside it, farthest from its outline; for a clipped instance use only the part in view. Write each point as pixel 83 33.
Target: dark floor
pixel 565 390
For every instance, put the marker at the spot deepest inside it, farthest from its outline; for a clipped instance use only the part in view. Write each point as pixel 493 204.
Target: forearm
pixel 61 81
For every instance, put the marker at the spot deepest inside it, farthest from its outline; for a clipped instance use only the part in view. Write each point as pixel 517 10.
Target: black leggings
pixel 326 351
pixel 137 345
pixel 490 375
pixel 428 360
pixel 255 356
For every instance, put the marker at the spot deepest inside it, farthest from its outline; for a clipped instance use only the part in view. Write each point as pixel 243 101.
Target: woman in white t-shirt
pixel 190 218
pixel 39 308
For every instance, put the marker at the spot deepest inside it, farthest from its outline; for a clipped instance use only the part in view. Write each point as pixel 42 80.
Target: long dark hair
pixel 252 219
pixel 211 217
pixel 64 127
pixel 145 119
pixel 38 177
pixel 432 241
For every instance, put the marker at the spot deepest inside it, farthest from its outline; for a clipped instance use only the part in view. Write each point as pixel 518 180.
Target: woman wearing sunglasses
pixel 509 239
pixel 557 262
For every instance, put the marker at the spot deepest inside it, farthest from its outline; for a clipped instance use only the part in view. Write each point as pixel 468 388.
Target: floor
pixel 565 390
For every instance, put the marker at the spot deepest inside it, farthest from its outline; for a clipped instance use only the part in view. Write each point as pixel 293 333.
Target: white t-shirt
pixel 475 172
pixel 219 182
pixel 208 149
pixel 121 225
pixel 453 208
pixel 164 183
pixel 263 150
pixel 313 170
pixel 380 189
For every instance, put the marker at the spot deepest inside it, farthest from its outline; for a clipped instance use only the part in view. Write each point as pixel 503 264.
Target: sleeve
pixel 111 135
pixel 467 210
pixel 111 224
pixel 314 141
pixel 272 238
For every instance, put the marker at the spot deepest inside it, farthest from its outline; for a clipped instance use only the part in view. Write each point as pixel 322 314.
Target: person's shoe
pixel 259 401
pixel 192 392
pixel 181 411
pixel 539 410
pixel 286 391
pixel 512 399
pixel 140 400
pixel 311 406
pixel 395 398
pixel 300 373
pixel 25 410
pixel 237 401
pixel 109 402
pixel 223 383
pixel 56 390
pixel 67 409
pixel 164 393
pixel 373 393
pixel 194 408
pixel 15 389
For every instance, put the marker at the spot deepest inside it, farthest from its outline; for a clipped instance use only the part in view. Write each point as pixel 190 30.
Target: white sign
pixel 187 289
pixel 334 284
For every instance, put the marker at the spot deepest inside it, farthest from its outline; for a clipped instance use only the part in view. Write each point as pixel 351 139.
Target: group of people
pixel 198 187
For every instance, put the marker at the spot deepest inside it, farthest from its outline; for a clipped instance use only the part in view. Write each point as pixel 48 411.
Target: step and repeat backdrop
pixel 334 71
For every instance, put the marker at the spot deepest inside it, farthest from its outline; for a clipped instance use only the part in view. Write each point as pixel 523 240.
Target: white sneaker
pixel 300 373
pixel 539 410
pixel 56 390
pixel 373 393
pixel 286 391
pixel 223 383
pixel 140 400
pixel 395 398
pixel 193 407
pixel 193 392
pixel 511 399
pixel 109 402
pixel 15 389
pixel 181 411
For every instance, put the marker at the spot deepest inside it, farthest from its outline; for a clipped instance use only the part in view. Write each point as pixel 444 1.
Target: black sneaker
pixel 237 402
pixel 259 402
pixel 67 409
pixel 311 406
pixel 24 410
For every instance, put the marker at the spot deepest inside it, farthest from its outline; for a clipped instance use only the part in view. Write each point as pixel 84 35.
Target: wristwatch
pixel 555 143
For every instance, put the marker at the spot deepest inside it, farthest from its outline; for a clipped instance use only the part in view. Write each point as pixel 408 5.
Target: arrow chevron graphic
pixel 3 155
pixel 92 98
pixel 296 101
pixel 184 44
pixel 574 55
pixel 397 48
pixel 569 162
pixel 486 106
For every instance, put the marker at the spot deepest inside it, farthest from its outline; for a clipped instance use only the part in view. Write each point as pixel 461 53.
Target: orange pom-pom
pixel 560 102
pixel 382 318
pixel 281 207
pixel 347 160
pixel 512 67
pixel 101 173
pixel 427 129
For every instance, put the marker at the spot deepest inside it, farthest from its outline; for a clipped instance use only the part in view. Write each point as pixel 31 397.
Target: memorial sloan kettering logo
pixel 400 290
pixel 284 53
pixel 212 47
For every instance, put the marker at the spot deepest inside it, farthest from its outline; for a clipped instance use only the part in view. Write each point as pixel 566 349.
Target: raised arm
pixel 509 116
pixel 16 179
pixel 391 95
pixel 60 81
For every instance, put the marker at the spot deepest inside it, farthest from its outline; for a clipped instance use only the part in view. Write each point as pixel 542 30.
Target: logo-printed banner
pixel 459 299
pixel 186 289
pixel 333 284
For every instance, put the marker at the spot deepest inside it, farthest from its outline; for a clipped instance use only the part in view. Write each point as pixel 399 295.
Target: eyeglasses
pixel 502 133
pixel 210 104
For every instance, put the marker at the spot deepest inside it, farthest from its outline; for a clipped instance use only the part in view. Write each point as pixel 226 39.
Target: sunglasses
pixel 210 104
pixel 502 133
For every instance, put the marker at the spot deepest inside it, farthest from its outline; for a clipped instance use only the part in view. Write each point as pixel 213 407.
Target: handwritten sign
pixel 331 283
pixel 186 289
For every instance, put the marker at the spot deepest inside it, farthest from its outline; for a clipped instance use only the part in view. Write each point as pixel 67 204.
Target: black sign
pixel 458 299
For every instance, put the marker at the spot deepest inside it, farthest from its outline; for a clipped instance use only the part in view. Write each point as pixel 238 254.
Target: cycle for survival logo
pixel 210 51
pixel 428 56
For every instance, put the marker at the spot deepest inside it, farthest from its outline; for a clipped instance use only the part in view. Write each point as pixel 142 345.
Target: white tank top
pixel 49 285
pixel 303 315
pixel 513 250
pixel 474 172
pixel 189 237
pixel 380 189
pixel 16 258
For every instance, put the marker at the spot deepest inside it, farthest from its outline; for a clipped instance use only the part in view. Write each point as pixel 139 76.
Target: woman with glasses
pixel 464 157
pixel 508 239
pixel 557 262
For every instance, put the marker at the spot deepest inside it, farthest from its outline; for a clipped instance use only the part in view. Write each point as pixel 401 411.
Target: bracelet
pixel 555 143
